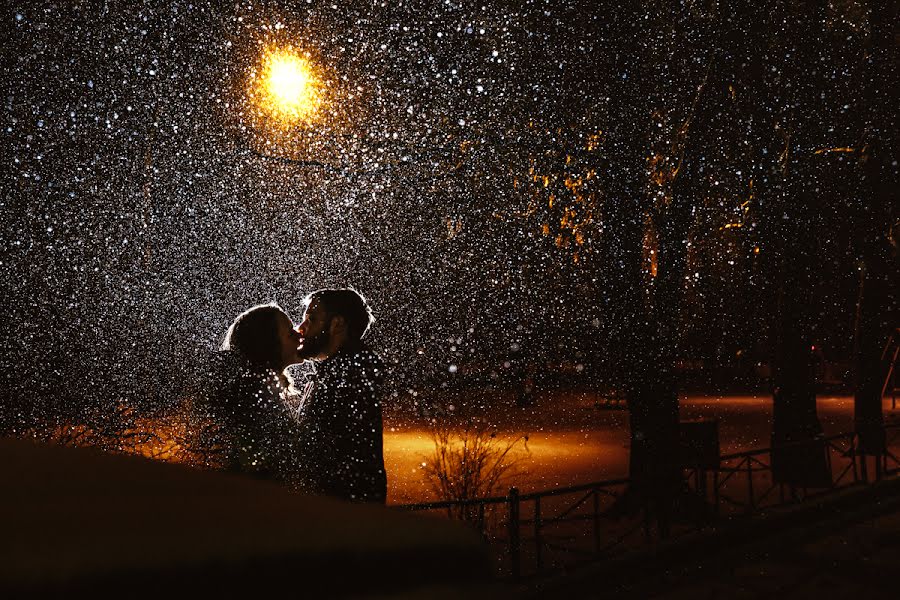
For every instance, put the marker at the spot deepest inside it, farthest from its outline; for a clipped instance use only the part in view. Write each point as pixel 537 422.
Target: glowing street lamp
pixel 288 89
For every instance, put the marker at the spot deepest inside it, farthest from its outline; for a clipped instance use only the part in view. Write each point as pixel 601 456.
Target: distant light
pixel 288 80
pixel 290 88
pixel 813 348
pixel 830 150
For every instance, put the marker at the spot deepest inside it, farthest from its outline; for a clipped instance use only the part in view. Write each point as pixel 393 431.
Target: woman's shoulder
pixel 219 363
pixel 226 376
pixel 229 366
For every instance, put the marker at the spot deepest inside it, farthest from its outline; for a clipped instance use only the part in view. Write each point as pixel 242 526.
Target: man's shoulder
pixel 362 357
pixel 369 361
pixel 367 357
pixel 360 363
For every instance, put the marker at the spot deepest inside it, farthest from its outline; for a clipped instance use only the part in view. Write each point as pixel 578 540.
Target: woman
pixel 264 337
pixel 256 430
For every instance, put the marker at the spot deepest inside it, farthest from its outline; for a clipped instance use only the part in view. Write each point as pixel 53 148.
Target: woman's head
pixel 264 335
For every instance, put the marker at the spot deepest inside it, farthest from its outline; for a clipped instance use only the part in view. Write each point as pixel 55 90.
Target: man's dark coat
pixel 341 423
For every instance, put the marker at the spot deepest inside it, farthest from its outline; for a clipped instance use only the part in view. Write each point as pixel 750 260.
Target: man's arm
pixel 357 440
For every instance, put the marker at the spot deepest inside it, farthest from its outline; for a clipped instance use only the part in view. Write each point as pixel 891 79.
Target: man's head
pixel 333 320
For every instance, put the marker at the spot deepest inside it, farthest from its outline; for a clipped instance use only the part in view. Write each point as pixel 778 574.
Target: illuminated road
pixel 571 441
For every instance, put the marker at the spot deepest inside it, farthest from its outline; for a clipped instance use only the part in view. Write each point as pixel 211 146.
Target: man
pixel 341 411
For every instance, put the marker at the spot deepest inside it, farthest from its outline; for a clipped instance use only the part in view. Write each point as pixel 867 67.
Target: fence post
pixel 596 521
pixel 481 528
pixel 716 491
pixel 751 503
pixel 538 542
pixel 514 541
pixel 701 482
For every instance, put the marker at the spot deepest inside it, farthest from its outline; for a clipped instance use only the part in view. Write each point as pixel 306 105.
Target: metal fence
pixel 540 531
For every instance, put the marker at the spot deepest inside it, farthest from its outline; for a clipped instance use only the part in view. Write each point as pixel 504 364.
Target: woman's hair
pixel 254 335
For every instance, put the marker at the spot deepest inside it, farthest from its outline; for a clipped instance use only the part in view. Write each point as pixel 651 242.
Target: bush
pixel 470 462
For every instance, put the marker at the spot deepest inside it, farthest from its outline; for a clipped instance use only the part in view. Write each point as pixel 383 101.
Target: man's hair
pixel 254 335
pixel 347 303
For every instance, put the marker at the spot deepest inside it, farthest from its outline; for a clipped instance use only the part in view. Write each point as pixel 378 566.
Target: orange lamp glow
pixel 289 89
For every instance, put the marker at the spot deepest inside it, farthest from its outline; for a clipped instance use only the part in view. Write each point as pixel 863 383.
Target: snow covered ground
pixel 571 441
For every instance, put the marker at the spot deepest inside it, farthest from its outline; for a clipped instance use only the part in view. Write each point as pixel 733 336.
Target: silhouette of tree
pixel 876 230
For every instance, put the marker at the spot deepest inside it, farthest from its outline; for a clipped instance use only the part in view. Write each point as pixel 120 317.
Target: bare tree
pixel 471 461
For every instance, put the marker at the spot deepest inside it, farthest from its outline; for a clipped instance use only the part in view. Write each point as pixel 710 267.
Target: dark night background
pixel 486 175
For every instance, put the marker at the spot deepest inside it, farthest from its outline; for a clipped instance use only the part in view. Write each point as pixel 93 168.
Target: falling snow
pixel 487 175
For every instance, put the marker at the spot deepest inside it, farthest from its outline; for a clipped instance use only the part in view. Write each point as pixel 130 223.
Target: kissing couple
pixel 322 437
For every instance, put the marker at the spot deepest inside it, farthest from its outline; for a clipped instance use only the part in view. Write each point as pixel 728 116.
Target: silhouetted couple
pixel 323 437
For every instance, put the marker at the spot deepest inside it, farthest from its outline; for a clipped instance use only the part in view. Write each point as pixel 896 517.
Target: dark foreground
pixel 840 546
pixel 78 523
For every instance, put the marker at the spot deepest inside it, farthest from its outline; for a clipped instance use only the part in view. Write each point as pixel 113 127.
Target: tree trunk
pixel 645 311
pixel 876 316
pixel 874 326
pixel 799 456
pixel 647 359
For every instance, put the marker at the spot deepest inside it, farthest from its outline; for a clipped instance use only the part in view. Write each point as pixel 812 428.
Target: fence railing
pixel 539 531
